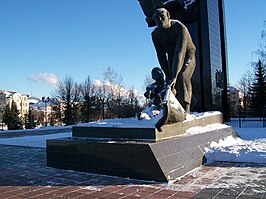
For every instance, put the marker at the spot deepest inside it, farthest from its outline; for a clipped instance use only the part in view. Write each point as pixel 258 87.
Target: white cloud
pixel 97 82
pixel 46 78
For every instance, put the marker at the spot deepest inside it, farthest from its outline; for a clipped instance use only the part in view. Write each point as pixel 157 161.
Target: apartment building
pixel 236 101
pixel 46 111
pixel 21 100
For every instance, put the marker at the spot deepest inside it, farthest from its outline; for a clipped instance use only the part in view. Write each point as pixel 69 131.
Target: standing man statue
pixel 176 54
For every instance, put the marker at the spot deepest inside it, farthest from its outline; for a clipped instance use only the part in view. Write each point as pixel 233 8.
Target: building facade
pixel 236 101
pixel 47 112
pixel 21 100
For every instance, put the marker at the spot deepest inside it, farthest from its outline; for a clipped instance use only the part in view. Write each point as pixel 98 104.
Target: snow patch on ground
pixel 44 128
pixel 204 129
pixel 90 188
pixel 250 147
pixel 245 177
pixel 38 141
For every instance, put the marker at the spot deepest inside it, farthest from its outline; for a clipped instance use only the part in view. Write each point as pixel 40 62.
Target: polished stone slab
pixel 149 133
pixel 163 160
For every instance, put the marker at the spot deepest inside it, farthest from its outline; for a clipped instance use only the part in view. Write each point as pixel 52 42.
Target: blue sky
pixel 45 40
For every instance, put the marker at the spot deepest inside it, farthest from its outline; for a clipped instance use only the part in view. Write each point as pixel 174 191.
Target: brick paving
pixel 24 174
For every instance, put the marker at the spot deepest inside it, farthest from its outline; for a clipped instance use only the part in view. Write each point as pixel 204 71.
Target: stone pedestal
pixel 151 134
pixel 135 153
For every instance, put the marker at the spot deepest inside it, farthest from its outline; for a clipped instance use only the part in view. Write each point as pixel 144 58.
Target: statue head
pixel 162 18
pixel 157 73
pixel 153 89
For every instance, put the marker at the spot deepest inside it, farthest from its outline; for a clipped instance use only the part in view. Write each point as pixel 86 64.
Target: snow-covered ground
pixel 250 147
pixel 33 141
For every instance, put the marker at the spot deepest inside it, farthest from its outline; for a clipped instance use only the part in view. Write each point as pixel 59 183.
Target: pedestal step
pixel 162 161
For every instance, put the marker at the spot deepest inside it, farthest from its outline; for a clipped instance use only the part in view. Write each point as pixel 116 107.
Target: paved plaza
pixel 24 174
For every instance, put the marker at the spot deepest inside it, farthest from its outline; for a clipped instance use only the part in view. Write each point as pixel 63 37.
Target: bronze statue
pixel 163 106
pixel 155 90
pixel 176 55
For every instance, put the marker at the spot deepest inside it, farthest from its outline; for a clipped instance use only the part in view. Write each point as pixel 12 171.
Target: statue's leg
pixel 180 90
pixel 187 86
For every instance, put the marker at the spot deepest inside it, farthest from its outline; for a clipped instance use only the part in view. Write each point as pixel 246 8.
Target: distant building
pixel 236 101
pixel 21 100
pixel 33 100
pixel 46 111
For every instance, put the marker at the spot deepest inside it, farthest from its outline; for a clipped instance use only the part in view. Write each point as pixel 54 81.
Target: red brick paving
pixel 24 174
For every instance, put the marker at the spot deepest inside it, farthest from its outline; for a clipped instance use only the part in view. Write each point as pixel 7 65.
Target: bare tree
pixel 68 91
pixel 147 81
pixel 117 94
pixel 86 91
pixel 260 53
pixel 248 80
pixel 91 101
pixel 131 104
pixel 245 82
pixel 244 85
pixel 111 94
pixel 110 75
pixel 104 96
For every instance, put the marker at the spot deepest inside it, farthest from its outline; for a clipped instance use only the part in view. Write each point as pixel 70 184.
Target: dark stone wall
pixel 209 37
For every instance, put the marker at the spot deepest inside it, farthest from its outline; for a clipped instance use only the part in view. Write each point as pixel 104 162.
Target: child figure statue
pixel 156 90
pixel 163 107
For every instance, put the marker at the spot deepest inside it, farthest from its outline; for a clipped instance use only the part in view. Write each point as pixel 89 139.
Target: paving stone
pixel 208 193
pixel 185 194
pixel 24 174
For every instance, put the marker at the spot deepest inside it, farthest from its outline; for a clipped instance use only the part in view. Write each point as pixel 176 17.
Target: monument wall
pixel 210 77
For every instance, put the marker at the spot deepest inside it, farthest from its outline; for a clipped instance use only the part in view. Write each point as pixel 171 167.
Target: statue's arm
pixel 180 51
pixel 161 55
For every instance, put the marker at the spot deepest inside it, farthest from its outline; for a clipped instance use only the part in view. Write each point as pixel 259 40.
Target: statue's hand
pixel 172 85
pixel 147 94
pixel 172 82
